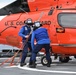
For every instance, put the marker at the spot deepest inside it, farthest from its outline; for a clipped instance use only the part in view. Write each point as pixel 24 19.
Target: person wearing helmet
pixel 41 36
pixel 24 33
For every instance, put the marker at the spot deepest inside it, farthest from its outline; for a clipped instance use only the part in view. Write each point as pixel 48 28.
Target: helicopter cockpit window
pixel 67 20
pixel 14 7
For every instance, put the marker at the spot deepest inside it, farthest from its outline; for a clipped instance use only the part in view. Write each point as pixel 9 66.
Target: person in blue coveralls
pixel 24 33
pixel 39 34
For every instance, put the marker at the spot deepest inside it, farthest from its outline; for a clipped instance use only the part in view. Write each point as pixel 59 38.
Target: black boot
pixel 48 64
pixel 22 64
pixel 70 58
pixel 33 65
pixel 30 63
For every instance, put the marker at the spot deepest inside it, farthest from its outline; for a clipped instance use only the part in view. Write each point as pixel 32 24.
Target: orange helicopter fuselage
pixel 58 17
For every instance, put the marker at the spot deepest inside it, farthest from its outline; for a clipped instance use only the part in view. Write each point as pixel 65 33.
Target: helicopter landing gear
pixel 64 59
pixel 44 61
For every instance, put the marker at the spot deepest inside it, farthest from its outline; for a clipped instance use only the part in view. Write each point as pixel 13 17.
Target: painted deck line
pixel 49 71
pixel 38 70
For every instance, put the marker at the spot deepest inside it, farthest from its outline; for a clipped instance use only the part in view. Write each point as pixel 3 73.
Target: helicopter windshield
pixel 13 7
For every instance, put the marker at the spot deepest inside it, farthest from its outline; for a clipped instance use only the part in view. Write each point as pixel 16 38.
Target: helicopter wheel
pixel 44 61
pixel 64 59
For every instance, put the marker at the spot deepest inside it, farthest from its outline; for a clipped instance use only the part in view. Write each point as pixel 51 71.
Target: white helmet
pixel 37 24
pixel 28 21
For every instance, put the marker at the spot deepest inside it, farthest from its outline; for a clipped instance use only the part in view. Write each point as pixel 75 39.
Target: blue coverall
pixel 25 30
pixel 43 41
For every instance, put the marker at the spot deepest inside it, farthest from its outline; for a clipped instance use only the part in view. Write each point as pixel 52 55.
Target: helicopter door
pixel 66 32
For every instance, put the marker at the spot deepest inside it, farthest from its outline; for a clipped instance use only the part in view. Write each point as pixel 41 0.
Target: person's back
pixel 41 36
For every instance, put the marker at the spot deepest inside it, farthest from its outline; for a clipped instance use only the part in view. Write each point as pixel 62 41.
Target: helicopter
pixel 57 16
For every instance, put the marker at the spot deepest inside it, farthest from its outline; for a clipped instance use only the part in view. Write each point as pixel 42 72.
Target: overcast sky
pixel 5 2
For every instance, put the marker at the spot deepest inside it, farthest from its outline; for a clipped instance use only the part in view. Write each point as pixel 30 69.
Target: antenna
pixel 23 10
pixel 41 16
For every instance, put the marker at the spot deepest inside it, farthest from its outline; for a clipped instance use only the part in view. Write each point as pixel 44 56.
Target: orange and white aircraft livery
pixel 58 16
